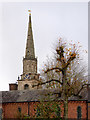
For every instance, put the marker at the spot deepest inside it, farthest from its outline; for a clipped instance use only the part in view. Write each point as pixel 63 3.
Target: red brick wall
pixel 13 86
pixel 88 111
pixel 10 110
pixel 72 109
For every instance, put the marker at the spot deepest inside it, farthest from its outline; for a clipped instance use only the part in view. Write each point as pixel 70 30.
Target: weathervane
pixel 29 12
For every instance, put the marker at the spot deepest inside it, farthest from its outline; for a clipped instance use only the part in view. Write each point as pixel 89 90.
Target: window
pixel 58 111
pixel 19 109
pixel 0 113
pixel 26 87
pixel 79 112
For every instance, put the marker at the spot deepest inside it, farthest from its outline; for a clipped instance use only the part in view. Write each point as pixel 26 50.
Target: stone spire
pixel 29 76
pixel 30 54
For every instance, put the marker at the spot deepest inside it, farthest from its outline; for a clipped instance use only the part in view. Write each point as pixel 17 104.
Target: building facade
pixel 22 98
pixel 24 103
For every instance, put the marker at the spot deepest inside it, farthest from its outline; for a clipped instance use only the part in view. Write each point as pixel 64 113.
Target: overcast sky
pixel 49 22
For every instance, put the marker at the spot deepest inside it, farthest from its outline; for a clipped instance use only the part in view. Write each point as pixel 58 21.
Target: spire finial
pixel 29 12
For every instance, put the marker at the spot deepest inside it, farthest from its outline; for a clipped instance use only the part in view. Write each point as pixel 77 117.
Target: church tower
pixel 29 76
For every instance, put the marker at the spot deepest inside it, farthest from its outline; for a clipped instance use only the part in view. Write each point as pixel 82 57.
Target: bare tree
pixel 66 71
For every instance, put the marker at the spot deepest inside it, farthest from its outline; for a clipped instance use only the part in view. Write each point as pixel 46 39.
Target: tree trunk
pixel 66 108
pixel 64 95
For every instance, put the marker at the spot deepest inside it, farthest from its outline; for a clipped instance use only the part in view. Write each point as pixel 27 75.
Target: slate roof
pixel 36 95
pixel 26 95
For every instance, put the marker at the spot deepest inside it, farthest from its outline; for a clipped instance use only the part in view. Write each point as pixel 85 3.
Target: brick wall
pixel 10 110
pixel 88 111
pixel 72 109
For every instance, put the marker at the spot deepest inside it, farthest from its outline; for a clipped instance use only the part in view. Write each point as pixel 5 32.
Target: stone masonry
pixel 29 76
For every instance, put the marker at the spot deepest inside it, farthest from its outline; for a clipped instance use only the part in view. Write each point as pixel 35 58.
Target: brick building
pixel 22 97
pixel 24 102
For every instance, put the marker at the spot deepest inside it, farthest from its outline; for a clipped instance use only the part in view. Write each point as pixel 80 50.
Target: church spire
pixel 30 54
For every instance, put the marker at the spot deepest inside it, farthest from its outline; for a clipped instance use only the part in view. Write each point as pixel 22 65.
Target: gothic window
pixel 19 109
pixel 79 112
pixel 26 87
pixel 58 111
pixel 0 113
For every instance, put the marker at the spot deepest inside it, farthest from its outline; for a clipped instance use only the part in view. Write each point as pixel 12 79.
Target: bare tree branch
pixel 53 80
pixel 80 89
pixel 54 68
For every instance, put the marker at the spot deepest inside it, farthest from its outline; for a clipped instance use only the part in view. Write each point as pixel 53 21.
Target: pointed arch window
pixel 19 109
pixel 0 113
pixel 79 114
pixel 26 87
